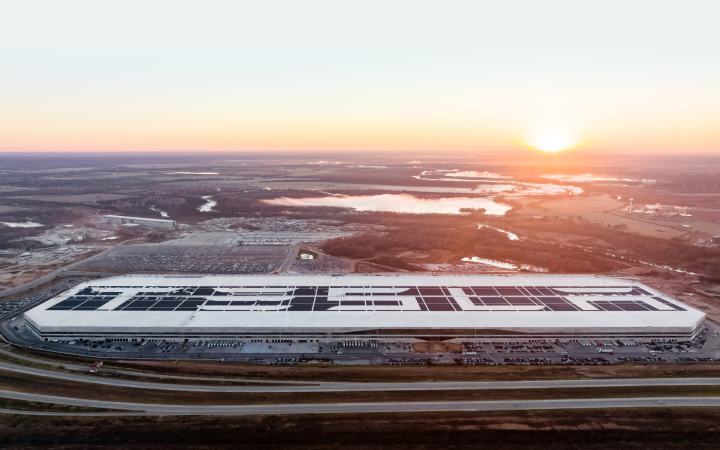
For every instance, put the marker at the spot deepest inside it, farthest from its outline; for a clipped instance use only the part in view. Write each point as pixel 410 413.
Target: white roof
pixel 272 303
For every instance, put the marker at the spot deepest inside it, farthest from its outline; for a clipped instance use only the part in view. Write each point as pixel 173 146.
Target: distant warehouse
pixel 365 307
pixel 140 221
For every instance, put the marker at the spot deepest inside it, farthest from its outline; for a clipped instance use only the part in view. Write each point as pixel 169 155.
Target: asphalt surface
pixel 292 253
pixel 134 373
pixel 363 386
pixel 347 408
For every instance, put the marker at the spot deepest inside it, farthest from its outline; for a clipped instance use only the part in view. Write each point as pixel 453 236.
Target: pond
pixel 400 203
pixel 209 205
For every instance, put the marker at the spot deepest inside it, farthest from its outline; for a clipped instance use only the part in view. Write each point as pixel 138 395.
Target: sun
pixel 552 140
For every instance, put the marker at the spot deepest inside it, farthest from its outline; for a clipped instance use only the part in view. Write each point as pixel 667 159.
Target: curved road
pixel 73 367
pixel 346 408
pixel 364 386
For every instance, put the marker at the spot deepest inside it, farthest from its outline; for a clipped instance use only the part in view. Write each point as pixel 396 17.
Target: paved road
pixel 84 368
pixel 345 408
pixel 24 412
pixel 363 386
pixel 292 253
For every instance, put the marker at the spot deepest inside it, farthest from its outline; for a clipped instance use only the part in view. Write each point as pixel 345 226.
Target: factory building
pixel 390 306
pixel 140 221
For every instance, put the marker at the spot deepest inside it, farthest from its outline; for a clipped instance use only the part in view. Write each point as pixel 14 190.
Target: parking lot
pixel 280 350
pixel 205 259
pixel 377 350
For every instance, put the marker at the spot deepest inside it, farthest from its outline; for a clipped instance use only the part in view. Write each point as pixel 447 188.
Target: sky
pixel 434 76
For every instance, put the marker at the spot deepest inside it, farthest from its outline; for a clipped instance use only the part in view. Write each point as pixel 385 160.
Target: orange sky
pixel 325 76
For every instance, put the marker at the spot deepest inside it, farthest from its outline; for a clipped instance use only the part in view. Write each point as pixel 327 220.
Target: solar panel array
pixel 354 298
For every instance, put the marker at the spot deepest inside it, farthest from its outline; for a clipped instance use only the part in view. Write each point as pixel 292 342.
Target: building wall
pixel 145 222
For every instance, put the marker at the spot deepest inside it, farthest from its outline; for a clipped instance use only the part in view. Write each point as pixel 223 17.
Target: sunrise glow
pixel 220 79
pixel 552 140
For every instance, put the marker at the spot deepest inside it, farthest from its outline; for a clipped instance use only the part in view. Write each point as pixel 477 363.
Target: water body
pixel 191 173
pixel 511 236
pixel 489 182
pixel 490 262
pixel 209 205
pixel 26 224
pixel 159 211
pixel 459 175
pixel 400 203
pixel 368 166
pixel 503 264
pixel 590 178
pixel 324 163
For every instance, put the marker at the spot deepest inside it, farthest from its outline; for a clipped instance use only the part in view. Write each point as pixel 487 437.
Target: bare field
pixel 10 209
pixel 542 430
pixel 603 210
pixel 697 295
pixel 78 198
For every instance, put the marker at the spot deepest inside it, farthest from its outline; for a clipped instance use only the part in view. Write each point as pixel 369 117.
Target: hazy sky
pixel 629 75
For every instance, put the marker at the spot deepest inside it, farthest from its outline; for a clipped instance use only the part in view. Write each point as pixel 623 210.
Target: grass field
pixel 601 209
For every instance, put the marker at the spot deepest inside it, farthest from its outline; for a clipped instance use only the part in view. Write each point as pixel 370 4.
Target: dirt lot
pixel 78 198
pixel 628 429
pixel 702 296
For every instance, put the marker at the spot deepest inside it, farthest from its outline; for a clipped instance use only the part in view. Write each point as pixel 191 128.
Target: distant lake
pixel 400 203
pixel 489 183
pixel 510 235
pixel 27 224
pixel 191 173
pixel 209 205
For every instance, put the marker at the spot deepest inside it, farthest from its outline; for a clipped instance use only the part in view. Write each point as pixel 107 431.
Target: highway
pixel 113 408
pixel 349 408
pixel 311 386
pixel 77 373
pixel 134 373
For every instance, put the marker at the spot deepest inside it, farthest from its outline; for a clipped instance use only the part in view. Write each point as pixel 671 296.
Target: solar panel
pixel 315 298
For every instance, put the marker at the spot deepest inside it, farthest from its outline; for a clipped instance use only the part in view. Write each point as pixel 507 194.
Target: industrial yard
pixel 254 319
pixel 329 225
pixel 244 293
